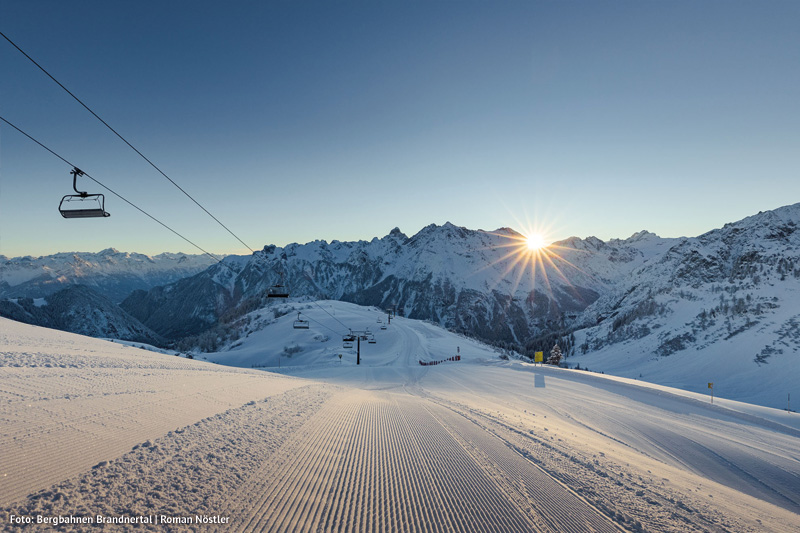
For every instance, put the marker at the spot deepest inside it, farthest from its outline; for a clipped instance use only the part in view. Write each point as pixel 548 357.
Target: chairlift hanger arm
pixel 75 173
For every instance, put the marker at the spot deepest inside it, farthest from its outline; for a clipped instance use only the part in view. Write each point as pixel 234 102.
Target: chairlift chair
pixel 300 323
pixel 383 326
pixel 278 290
pixel 83 204
pixel 347 340
pixel 371 339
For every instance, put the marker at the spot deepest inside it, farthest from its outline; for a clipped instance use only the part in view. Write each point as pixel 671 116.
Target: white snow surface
pixel 93 427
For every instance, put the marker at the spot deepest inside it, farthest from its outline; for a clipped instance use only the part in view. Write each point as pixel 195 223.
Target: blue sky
pixel 295 121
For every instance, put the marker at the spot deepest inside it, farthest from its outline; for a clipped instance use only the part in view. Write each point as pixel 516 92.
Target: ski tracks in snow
pixel 323 457
pixel 376 461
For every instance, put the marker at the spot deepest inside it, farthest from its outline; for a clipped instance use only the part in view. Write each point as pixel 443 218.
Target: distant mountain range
pixel 111 273
pixel 79 291
pixel 480 283
pixel 734 288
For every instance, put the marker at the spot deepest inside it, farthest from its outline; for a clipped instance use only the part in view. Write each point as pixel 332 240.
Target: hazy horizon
pixel 188 251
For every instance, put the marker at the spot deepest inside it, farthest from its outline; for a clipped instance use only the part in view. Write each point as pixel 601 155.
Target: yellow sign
pixel 710 385
pixel 538 357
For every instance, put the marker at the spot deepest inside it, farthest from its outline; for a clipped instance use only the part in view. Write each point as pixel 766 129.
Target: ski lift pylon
pixel 83 204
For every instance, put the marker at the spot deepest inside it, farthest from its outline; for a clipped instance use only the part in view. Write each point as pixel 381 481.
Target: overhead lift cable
pixel 83 173
pixel 320 323
pixel 123 139
pixel 114 193
pixel 333 317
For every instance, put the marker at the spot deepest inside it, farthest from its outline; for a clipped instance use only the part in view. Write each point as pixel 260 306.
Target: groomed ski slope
pixel 475 445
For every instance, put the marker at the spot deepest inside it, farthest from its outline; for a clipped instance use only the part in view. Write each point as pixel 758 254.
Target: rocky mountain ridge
pixel 111 273
pixel 79 309
pixel 486 284
pixel 734 288
pixel 624 305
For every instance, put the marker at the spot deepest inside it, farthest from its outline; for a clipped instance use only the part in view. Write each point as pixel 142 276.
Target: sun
pixel 532 261
pixel 534 242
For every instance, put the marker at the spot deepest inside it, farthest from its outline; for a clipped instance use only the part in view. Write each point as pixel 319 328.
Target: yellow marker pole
pixel 538 357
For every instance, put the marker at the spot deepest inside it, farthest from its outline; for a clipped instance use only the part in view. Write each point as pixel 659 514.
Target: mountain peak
pixel 641 235
pixel 448 230
pixel 397 234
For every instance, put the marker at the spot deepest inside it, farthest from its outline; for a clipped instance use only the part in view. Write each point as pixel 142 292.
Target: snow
pixel 17 270
pixel 93 427
pixel 98 268
pixel 483 259
pixel 715 354
pixel 717 308
pixel 322 343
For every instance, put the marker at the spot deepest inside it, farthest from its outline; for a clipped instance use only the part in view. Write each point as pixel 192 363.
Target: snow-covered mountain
pixel 729 298
pixel 111 273
pixel 79 309
pixel 486 284
pixel 643 307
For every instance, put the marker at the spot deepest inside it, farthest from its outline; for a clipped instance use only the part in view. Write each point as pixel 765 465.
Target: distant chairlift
pixel 83 204
pixel 278 290
pixel 300 323
pixel 371 339
pixel 347 340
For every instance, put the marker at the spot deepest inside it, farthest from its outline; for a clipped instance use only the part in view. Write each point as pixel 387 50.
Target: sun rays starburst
pixel 531 258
